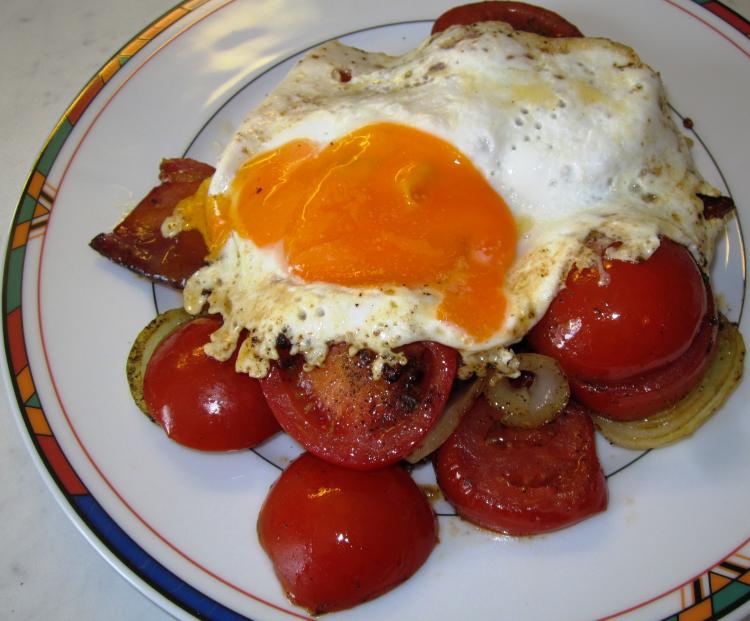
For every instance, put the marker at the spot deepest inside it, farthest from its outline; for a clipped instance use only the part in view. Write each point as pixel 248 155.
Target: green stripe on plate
pixel 53 148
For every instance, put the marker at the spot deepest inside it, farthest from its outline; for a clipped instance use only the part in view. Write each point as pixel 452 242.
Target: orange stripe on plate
pixel 717 581
pixel 20 235
pixel 40 210
pixel 25 384
pixel 84 99
pixel 132 47
pixel 38 422
pixel 745 578
pixel 699 612
pixel 60 465
pixel 110 69
pixel 36 184
pixel 193 4
pixel 163 23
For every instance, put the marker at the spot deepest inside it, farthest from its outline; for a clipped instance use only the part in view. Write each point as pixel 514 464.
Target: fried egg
pixel 441 195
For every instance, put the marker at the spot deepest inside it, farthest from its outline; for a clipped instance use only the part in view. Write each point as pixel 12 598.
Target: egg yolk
pixel 383 206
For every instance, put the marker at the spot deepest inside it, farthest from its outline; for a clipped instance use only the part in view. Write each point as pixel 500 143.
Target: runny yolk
pixel 385 205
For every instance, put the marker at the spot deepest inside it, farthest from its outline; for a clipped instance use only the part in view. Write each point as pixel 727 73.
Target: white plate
pixel 180 524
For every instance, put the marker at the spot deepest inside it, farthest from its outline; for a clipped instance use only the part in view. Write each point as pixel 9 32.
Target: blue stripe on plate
pixel 160 578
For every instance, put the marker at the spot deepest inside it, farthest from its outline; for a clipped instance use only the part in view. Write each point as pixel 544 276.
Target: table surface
pixel 48 51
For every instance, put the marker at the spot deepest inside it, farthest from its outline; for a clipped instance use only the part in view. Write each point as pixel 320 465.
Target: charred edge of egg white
pixel 210 288
pixel 305 302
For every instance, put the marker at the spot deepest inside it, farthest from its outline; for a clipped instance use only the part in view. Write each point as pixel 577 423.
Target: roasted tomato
pixel 522 481
pixel 628 327
pixel 642 395
pixel 200 402
pixel 520 15
pixel 339 413
pixel 339 537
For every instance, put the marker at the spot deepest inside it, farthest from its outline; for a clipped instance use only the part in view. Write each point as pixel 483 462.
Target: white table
pixel 48 50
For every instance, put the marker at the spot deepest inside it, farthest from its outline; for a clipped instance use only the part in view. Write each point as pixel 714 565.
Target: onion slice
pixel 143 347
pixel 458 404
pixel 532 405
pixel 685 416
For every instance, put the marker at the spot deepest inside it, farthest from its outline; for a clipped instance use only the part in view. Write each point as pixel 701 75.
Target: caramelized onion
pixel 684 417
pixel 534 404
pixel 145 344
pixel 458 404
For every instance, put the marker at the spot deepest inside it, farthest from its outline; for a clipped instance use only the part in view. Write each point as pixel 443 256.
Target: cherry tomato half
pixel 200 402
pixel 339 413
pixel 520 15
pixel 645 317
pixel 522 481
pixel 339 537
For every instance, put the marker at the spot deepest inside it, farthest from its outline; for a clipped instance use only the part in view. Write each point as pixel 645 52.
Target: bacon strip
pixel 137 243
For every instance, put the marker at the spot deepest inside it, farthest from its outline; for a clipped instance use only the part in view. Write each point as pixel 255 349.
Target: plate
pixel 675 541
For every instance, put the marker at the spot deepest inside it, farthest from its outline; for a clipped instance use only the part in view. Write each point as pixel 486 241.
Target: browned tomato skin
pixel 339 537
pixel 137 243
pixel 645 394
pixel 522 481
pixel 339 413
pixel 520 15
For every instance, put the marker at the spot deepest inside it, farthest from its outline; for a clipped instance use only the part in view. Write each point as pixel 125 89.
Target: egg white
pixel 574 134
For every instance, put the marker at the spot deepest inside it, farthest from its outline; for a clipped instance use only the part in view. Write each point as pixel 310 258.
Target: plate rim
pixel 46 453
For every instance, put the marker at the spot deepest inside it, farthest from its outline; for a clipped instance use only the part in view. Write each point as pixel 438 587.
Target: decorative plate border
pixel 710 595
pixel 730 16
pixel 29 222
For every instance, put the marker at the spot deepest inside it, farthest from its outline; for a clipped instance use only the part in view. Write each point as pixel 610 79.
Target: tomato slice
pixel 638 343
pixel 520 15
pixel 522 481
pixel 645 394
pixel 339 413
pixel 200 402
pixel 645 316
pixel 339 537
